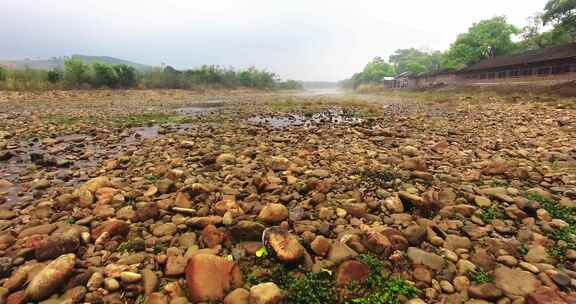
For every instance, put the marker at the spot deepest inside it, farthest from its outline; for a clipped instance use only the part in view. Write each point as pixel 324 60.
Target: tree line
pixel 556 25
pixel 77 74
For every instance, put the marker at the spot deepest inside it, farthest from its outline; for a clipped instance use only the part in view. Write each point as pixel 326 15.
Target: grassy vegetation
pixel 319 288
pixel 79 74
pixel 489 214
pixel 480 277
pixel 380 288
pixel 567 234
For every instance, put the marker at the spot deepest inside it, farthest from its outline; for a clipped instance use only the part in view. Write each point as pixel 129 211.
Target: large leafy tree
pixel 562 13
pixel 491 37
pixel 534 36
pixel 374 71
pixel 415 61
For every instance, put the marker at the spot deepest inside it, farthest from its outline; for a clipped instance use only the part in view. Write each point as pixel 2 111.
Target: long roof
pixel 553 53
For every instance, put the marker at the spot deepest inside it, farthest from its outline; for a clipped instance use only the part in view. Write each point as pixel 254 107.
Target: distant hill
pixel 58 62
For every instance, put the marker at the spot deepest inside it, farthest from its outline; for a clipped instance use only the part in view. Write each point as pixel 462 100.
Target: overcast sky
pixel 298 39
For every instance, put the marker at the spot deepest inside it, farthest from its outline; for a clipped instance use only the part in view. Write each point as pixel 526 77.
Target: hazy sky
pixel 299 39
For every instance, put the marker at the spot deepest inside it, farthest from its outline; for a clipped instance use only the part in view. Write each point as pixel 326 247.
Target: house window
pixel 515 73
pixel 543 71
pixel 565 69
pixel 502 74
pixel 491 75
pixel 482 76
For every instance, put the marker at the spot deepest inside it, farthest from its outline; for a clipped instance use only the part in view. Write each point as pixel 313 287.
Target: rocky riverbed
pixel 260 198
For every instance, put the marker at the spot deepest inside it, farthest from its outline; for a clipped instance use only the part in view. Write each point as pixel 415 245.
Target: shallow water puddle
pixel 333 116
pixel 200 108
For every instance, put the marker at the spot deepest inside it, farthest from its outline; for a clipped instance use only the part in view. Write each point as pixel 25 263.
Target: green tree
pixel 2 74
pixel 561 13
pixel 374 71
pixel 104 75
pixel 487 38
pixel 55 76
pixel 126 75
pixel 533 36
pixel 415 61
pixel 75 72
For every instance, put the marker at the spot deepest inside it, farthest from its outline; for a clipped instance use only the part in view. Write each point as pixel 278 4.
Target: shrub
pixel 2 74
pixel 104 75
pixel 75 72
pixel 55 76
pixel 126 75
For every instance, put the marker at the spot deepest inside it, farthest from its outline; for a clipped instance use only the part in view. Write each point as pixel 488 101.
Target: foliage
pixel 533 36
pixel 310 288
pixel 381 289
pixel 55 76
pixel 289 85
pixel 253 78
pixel 2 74
pixel 104 75
pixel 492 213
pixel 480 277
pixel 554 209
pixel 487 38
pixel 75 72
pixel 126 76
pixel 416 61
pixel 262 252
pixel 208 76
pixel 374 71
pixel 561 13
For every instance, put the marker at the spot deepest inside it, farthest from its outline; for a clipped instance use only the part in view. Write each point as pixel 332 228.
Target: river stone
pixel 51 277
pixel 515 282
pixel 265 293
pixel 421 257
pixel 209 276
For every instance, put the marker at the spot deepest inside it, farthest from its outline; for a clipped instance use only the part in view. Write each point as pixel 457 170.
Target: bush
pixel 104 75
pixel 289 85
pixel 75 72
pixel 126 75
pixel 55 76
pixel 2 74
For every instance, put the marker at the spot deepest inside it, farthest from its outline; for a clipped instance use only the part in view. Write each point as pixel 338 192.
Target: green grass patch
pixel 489 214
pixel 480 277
pixel 380 288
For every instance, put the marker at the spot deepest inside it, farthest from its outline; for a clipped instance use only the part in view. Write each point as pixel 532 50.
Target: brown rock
pixel 273 213
pixel 237 296
pixel 209 276
pixel 515 282
pixel 265 293
pixel 175 265
pixel 146 213
pixel 544 295
pixel 320 245
pixel 487 291
pixel 421 257
pixel 51 277
pixel 40 229
pixel 57 245
pixel 201 222
pixel 352 272
pixel 340 252
pixel 112 228
pixel 212 236
pixel 283 244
